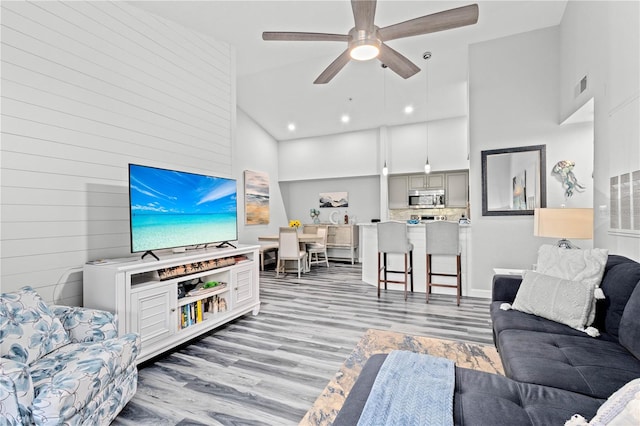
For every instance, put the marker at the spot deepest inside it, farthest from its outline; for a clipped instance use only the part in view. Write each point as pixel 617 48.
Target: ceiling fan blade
pixel 446 20
pixel 296 36
pixel 333 68
pixel 364 12
pixel 398 63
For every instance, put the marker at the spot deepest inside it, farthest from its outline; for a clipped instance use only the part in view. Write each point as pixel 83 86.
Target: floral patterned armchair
pixel 62 365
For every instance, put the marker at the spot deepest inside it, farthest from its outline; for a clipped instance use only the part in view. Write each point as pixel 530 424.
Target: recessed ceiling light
pixel 408 109
pixel 291 127
pixel 345 118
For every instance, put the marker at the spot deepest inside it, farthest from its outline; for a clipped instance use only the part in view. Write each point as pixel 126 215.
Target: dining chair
pixel 289 249
pixel 392 238
pixel 319 248
pixel 443 238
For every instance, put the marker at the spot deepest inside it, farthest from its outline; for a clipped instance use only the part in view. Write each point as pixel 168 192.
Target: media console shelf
pixel 143 293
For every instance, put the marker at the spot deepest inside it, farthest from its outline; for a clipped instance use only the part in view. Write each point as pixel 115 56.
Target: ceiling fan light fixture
pixel 363 45
pixel 364 52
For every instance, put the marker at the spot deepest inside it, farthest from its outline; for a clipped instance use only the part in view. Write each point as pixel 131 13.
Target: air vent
pixel 583 84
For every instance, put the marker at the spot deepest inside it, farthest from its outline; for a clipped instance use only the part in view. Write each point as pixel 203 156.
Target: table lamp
pixel 563 224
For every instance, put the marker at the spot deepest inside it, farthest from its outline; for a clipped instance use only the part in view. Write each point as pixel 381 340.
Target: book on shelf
pixel 194 312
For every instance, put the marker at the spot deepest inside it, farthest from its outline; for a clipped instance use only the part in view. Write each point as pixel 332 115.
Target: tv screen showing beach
pixel 169 208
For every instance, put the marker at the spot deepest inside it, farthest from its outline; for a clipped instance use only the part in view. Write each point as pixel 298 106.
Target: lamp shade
pixel 563 223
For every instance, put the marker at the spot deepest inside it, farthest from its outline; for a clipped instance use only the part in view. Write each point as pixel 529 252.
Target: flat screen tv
pixel 171 209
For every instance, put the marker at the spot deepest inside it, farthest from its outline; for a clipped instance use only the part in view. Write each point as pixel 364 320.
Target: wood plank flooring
pixel 269 369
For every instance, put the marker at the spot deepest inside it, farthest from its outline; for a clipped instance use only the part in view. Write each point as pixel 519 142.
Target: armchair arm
pixel 85 324
pixel 505 287
pixel 16 392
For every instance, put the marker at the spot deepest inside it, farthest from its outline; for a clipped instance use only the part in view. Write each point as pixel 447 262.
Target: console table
pixel 143 293
pixel 340 239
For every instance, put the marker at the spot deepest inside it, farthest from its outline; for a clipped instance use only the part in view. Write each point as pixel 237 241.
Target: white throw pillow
pixel 586 266
pixel 622 408
pixel 565 301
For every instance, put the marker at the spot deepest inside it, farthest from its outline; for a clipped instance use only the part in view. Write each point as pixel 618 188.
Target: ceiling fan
pixel 367 41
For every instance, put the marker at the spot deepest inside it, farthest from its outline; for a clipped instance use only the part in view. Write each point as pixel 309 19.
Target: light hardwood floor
pixel 269 369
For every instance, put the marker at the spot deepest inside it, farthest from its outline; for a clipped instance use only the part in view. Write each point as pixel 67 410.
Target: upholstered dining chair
pixel 392 238
pixel 442 238
pixel 289 249
pixel 319 248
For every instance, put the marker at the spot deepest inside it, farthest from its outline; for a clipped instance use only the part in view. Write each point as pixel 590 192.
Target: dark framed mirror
pixel 514 180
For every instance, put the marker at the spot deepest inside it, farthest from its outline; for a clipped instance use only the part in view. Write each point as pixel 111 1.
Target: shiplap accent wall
pixel 88 87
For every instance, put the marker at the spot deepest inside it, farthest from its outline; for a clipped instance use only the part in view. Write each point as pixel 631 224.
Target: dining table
pixel 302 238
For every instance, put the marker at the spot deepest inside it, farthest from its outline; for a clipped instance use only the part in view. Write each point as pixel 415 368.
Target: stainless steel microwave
pixel 426 199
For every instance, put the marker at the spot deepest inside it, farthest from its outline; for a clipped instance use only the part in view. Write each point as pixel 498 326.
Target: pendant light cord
pixel 427 166
pixel 385 170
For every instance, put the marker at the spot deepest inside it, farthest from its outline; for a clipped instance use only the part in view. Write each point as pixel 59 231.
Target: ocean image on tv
pixel 176 209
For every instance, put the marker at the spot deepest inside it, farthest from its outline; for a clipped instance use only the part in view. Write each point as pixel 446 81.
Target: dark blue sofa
pixel 553 371
pixel 543 352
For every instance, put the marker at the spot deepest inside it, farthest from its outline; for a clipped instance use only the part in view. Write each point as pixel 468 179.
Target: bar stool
pixel 392 238
pixel 442 238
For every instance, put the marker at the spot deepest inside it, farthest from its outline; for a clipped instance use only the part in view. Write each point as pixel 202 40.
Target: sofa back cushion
pixel 28 328
pixel 621 277
pixel 629 331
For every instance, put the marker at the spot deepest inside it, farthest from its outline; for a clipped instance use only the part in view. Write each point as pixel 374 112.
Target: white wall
pixel 601 40
pixel 256 150
pixel 363 192
pixel 514 83
pixel 345 154
pixel 312 165
pixel 447 148
pixel 87 88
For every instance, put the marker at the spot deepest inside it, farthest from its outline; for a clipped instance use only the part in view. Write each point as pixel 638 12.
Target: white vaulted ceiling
pixel 275 78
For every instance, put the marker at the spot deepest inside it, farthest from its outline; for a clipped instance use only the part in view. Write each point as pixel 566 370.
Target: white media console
pixel 143 293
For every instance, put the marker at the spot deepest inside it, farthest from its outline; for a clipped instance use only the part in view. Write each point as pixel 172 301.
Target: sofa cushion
pixel 28 328
pixel 565 301
pixel 516 320
pixel 593 367
pixel 621 277
pixel 484 399
pixel 629 331
pixel 68 379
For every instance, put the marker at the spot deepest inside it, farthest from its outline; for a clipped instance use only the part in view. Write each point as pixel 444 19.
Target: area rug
pixel 467 355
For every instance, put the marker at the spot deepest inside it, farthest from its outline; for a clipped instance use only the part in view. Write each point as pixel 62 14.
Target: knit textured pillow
pixel 565 301
pixel 586 266
pixel 622 408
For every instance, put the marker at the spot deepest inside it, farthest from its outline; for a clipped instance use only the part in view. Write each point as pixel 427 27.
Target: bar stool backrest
pixel 392 237
pixel 442 238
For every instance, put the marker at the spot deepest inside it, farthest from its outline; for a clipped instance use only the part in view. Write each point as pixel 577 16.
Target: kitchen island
pixel 416 234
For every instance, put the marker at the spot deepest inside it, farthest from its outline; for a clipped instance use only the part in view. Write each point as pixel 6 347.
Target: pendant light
pixel 427 166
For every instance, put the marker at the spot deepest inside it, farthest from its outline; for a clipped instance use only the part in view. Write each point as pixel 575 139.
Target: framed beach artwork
pixel 256 198
pixel 334 199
